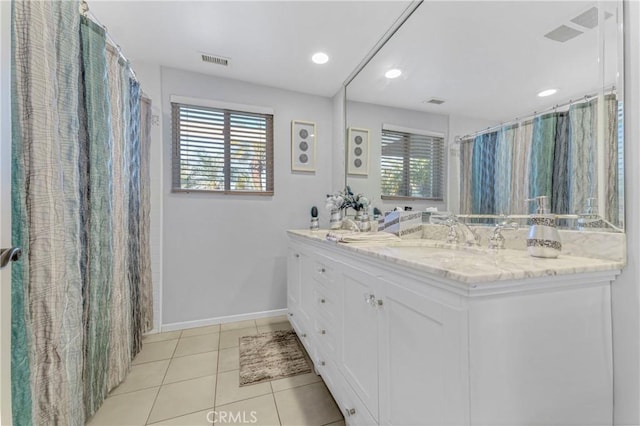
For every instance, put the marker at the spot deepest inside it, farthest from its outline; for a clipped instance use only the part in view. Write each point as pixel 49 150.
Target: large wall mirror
pixel 464 126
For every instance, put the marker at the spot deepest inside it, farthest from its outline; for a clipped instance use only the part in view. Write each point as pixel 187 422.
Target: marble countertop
pixel 468 264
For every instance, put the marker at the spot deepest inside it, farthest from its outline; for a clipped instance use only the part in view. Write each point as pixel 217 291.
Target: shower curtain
pixel 553 155
pixel 80 172
pixel 483 173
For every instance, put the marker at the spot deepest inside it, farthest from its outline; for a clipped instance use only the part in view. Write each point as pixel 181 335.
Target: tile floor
pixel 190 377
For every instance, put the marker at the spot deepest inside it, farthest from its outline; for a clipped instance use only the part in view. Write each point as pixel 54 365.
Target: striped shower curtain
pixel 554 155
pixel 80 208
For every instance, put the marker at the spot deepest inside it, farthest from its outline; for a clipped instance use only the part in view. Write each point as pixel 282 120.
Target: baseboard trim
pixel 221 320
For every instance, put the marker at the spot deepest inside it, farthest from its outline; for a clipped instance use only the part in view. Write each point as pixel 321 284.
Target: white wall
pixel 369 116
pixel 625 290
pixel 226 255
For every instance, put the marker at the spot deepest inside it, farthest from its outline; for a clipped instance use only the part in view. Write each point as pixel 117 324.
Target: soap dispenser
pixel 314 225
pixel 590 220
pixel 543 239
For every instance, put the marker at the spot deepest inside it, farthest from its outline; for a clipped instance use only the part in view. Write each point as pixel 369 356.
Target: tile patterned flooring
pixel 191 377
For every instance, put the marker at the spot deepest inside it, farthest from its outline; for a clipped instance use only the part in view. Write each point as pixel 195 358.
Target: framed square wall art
pixel 358 155
pixel 303 146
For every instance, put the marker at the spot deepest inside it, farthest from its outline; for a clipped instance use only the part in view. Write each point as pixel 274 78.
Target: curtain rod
pixel 84 11
pixel 586 98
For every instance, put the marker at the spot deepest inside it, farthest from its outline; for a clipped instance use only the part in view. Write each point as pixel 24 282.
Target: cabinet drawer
pixel 354 411
pixel 304 336
pixel 326 304
pixel 324 271
pixel 325 335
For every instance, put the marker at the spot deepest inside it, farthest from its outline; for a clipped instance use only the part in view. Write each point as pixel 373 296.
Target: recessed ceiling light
pixel 393 73
pixel 547 92
pixel 320 58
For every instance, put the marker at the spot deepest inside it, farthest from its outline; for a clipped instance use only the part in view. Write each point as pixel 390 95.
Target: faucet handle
pixel 505 224
pixel 452 235
pixel 496 241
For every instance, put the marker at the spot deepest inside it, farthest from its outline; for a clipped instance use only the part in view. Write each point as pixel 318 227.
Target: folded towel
pixel 362 237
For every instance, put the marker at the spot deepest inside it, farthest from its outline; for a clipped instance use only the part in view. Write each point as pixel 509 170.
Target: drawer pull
pixel 323 363
pixel 322 331
pixel 350 411
pixel 303 335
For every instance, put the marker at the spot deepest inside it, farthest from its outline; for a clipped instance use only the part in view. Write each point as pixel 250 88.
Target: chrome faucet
pixel 350 224
pixel 470 237
pixel 452 234
pixel 496 241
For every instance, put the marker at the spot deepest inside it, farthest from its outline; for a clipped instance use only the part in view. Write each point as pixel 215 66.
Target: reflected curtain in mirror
pixel 553 154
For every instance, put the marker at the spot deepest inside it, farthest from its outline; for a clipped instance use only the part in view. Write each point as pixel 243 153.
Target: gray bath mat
pixel 272 355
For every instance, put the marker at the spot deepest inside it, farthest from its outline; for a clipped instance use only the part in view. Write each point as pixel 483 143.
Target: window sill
pixel 206 191
pixel 403 198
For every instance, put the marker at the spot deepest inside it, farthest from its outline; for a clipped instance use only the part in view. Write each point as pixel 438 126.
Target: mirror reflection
pixel 476 107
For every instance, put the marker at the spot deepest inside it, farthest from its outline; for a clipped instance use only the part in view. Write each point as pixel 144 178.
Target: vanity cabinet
pixel 398 346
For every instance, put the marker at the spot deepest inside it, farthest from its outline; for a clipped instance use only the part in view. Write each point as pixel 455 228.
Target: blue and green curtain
pixel 81 294
pixel 553 154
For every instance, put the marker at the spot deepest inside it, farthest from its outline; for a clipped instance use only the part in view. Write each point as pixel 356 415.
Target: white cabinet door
pixel 358 345
pixel 423 361
pixel 307 294
pixel 294 281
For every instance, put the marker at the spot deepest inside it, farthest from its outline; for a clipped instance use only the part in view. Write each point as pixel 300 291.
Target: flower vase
pixel 363 221
pixel 335 220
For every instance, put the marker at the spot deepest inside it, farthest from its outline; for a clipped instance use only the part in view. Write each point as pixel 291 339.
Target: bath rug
pixel 270 356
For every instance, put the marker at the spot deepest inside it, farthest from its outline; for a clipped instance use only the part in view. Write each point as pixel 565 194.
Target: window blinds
pixel 412 165
pixel 222 150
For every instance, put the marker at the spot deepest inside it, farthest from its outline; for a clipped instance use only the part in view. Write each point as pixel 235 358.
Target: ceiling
pixel 268 42
pixel 485 59
pixel 489 59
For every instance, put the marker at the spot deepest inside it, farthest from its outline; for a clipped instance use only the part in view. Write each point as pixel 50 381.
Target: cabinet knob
pixel 304 335
pixel 297 255
pixel 322 331
pixel 380 302
pixel 322 363
pixel 350 411
pixel 370 299
pixel 290 314
pixel 322 301
pixel 322 270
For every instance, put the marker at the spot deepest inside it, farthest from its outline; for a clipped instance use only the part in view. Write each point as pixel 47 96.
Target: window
pixel 412 165
pixel 222 150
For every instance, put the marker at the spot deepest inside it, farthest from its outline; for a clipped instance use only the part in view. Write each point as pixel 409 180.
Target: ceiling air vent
pixel 215 59
pixel 562 34
pixel 434 101
pixel 589 19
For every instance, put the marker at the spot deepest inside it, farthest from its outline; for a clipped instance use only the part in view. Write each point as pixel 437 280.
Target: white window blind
pixel 221 150
pixel 412 165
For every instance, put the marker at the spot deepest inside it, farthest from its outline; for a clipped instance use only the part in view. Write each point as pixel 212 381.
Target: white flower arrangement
pixel 345 199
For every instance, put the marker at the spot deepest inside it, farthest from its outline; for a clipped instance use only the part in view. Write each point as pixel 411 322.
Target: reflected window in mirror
pixel 412 165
